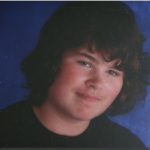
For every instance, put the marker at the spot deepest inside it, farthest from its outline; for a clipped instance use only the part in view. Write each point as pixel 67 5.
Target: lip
pixel 88 97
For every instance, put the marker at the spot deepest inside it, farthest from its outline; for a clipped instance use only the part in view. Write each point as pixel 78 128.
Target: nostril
pixel 94 83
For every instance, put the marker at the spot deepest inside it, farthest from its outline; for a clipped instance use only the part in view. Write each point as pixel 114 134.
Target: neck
pixel 59 123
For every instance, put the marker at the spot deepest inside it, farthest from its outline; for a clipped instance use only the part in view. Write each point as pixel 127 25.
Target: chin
pixel 86 117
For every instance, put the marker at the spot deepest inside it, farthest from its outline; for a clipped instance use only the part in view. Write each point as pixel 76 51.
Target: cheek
pixel 114 88
pixel 70 75
pixel 67 79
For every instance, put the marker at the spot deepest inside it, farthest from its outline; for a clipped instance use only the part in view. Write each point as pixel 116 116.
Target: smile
pixel 88 97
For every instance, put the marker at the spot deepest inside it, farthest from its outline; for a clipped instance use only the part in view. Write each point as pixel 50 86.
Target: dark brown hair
pixel 111 27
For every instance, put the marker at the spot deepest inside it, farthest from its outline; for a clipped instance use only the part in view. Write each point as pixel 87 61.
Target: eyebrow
pixel 88 56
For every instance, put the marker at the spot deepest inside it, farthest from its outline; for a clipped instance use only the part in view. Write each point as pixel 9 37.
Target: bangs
pixel 110 54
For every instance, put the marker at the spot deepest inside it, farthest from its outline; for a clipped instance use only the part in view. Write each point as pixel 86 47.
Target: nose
pixel 95 81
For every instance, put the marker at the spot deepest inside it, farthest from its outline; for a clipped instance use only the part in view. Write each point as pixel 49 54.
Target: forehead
pixel 92 53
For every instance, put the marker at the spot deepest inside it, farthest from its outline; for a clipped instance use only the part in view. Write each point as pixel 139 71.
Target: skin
pixel 84 88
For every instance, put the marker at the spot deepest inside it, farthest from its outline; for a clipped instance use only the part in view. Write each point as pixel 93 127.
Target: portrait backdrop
pixel 20 24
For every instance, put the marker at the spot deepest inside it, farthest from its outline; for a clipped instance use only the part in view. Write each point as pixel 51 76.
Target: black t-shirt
pixel 19 127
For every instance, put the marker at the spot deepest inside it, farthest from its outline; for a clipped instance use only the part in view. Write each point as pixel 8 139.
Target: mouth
pixel 88 97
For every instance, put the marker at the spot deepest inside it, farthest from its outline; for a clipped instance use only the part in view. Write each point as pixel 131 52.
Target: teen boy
pixel 88 62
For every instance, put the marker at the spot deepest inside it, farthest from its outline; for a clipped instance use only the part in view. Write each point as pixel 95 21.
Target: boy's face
pixel 85 85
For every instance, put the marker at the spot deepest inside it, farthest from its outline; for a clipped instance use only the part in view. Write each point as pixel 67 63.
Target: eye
pixel 83 63
pixel 111 72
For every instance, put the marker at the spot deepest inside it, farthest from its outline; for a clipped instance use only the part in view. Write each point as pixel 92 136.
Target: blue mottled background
pixel 20 23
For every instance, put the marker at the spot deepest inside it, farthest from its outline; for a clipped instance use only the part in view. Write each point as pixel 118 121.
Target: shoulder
pixel 16 114
pixel 116 135
pixel 15 111
pixel 14 118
